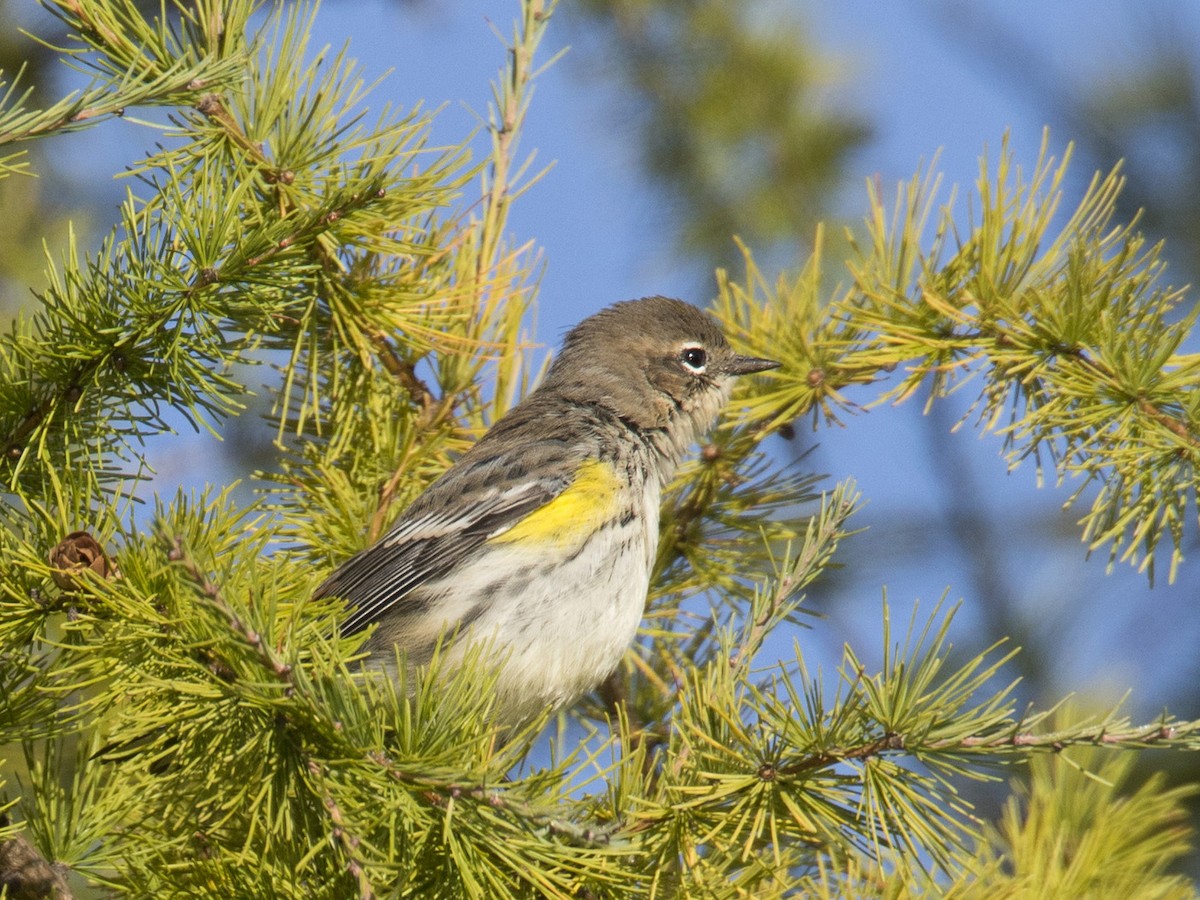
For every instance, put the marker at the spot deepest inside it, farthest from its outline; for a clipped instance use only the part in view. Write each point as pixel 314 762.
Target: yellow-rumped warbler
pixel 541 537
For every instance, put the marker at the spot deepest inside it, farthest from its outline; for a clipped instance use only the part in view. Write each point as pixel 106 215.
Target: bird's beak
pixel 744 365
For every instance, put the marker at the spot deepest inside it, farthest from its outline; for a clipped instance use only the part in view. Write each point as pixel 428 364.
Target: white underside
pixel 563 633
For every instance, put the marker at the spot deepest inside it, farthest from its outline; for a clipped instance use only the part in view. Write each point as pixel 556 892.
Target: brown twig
pixel 213 108
pixel 1151 410
pixel 432 416
pixel 347 841
pixel 275 666
pixel 72 387
pixel 69 392
pixel 1131 737
pixel 442 793
pixel 1171 423
pixel 404 372
pixel 887 743
pixel 1140 736
pixel 83 114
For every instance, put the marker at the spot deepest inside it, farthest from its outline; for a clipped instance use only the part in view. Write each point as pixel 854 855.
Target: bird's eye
pixel 694 359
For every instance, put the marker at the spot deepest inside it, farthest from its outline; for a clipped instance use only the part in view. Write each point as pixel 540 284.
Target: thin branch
pixel 1177 426
pixel 440 793
pixel 212 107
pixel 890 742
pixel 1142 736
pixel 1172 423
pixel 512 104
pixel 406 373
pixel 70 391
pixel 347 841
pixel 209 589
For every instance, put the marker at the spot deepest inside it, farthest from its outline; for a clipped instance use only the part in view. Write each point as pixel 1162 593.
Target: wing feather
pixel 424 546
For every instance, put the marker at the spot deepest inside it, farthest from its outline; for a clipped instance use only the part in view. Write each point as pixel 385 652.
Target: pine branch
pixel 347 841
pixel 127 77
pixel 1181 735
pixel 1072 333
pixel 748 766
pixel 109 99
pixel 1178 734
pixel 485 298
pixel 280 670
pixel 822 536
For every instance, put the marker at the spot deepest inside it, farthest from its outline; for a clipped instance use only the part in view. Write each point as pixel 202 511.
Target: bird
pixel 540 540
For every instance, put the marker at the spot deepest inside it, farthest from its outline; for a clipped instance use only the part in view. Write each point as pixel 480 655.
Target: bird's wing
pixel 426 545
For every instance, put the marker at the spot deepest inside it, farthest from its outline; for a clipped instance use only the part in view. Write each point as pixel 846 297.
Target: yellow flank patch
pixel 586 504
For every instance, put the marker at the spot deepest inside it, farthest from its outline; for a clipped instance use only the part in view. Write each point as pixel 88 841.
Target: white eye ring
pixel 694 358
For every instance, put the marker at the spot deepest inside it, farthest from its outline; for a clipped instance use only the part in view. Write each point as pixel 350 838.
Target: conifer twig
pixel 441 792
pixel 1137 736
pixel 209 589
pixel 212 107
pixel 404 372
pixel 985 332
pixel 1149 409
pixel 505 127
pixel 512 103
pixel 95 104
pixel 347 841
pixel 68 394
